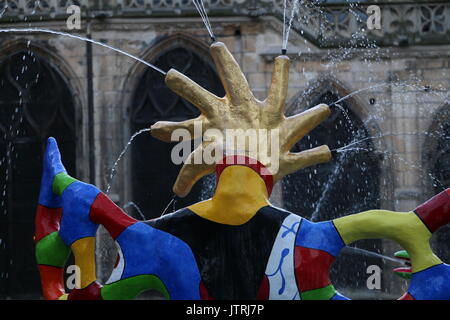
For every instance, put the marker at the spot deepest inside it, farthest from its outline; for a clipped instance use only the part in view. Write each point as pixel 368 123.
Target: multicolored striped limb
pixel 47 239
pixel 412 230
pixel 51 251
pixel 68 215
pixel 58 212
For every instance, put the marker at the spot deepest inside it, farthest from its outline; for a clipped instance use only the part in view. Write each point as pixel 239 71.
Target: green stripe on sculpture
pixel 404 275
pixel 61 182
pixel 128 289
pixel 52 251
pixel 325 293
pixel 403 254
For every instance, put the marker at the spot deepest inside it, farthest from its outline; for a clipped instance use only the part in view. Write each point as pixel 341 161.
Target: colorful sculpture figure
pixel 235 245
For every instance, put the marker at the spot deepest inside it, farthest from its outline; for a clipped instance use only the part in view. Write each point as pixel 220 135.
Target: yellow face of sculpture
pixel 240 110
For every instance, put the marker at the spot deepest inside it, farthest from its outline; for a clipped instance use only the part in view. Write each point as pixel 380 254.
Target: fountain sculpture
pixel 235 245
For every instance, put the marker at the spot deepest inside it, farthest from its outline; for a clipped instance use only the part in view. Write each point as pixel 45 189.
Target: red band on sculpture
pixel 91 292
pixel 46 221
pixel 435 213
pixel 407 296
pixel 52 281
pixel 264 289
pixel 106 213
pixel 204 295
pixel 315 276
pixel 239 160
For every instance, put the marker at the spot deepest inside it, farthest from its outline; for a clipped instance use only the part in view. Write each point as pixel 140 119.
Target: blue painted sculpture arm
pixel 68 216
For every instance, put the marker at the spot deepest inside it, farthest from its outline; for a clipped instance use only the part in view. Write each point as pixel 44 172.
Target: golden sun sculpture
pixel 239 109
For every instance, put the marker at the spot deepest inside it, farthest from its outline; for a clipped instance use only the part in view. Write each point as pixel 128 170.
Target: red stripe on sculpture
pixel 52 281
pixel 312 268
pixel 46 221
pixel 435 213
pixel 240 160
pixel 264 289
pixel 204 295
pixel 117 261
pixel 114 219
pixel 91 292
pixel 407 296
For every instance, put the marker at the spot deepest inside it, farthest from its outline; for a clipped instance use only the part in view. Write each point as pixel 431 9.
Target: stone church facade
pixel 397 79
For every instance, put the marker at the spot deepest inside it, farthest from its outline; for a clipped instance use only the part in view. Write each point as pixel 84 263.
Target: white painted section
pixel 280 268
pixel 118 271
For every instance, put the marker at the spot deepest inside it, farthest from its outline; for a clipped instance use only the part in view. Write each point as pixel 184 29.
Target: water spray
pixel 283 50
pixel 136 207
pixel 172 201
pixel 40 30
pixel 288 26
pixel 200 6
pixel 113 170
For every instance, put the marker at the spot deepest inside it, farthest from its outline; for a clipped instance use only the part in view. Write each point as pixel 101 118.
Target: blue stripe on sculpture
pixel 77 200
pixel 431 283
pixel 339 296
pixel 147 250
pixel 321 236
pixel 52 166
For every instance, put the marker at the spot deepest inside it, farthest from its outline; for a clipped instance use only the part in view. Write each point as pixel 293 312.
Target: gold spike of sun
pixel 239 109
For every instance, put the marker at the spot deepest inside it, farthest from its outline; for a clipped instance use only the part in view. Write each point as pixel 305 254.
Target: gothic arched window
pixel 153 172
pixel 440 171
pixel 348 184
pixel 35 103
pixel 441 168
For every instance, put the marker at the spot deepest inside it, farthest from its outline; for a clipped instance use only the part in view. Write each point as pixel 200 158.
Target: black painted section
pixel 231 259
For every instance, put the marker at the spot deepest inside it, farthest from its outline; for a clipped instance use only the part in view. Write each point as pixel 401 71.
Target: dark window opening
pixel 441 181
pixel 35 104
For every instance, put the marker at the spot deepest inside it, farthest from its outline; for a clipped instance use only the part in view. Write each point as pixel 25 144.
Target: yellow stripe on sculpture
pixel 403 227
pixel 234 203
pixel 64 297
pixel 84 252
